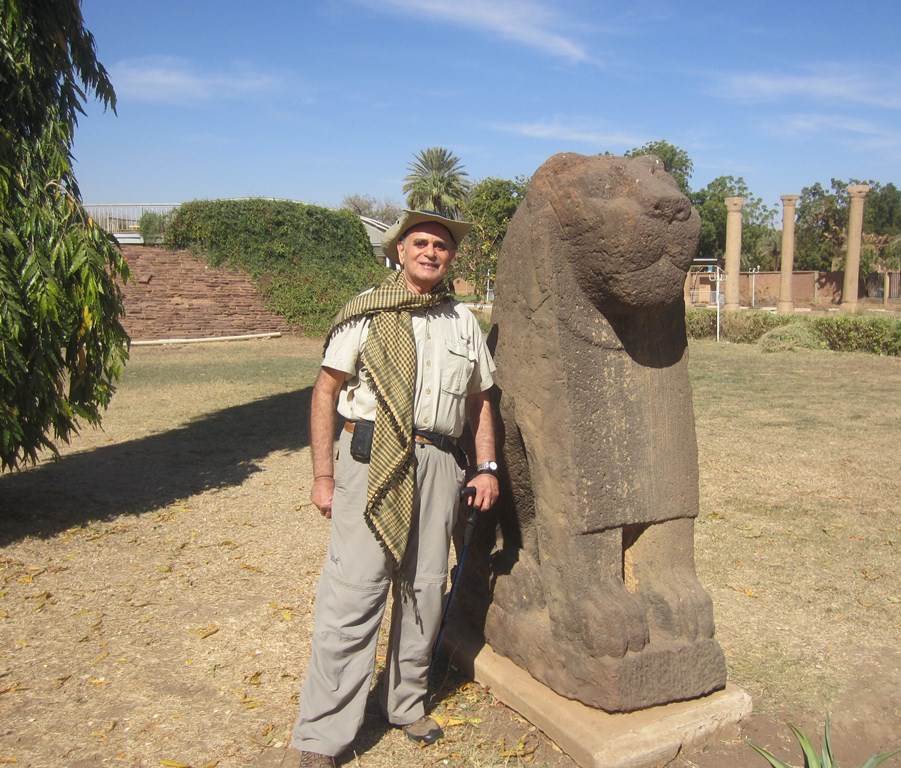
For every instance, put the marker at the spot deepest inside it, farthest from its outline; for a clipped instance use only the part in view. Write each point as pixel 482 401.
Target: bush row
pixel 306 260
pixel 841 333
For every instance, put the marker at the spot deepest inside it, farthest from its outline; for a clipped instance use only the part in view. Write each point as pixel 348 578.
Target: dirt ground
pixel 157 580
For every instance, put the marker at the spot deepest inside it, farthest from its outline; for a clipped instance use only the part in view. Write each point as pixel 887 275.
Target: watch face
pixel 489 465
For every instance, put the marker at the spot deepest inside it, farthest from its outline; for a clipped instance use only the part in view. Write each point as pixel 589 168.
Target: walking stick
pixel 466 497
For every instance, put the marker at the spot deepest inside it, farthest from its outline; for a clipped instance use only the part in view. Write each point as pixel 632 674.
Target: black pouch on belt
pixel 361 440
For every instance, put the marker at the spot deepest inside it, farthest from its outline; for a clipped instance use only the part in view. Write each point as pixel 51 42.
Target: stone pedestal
pixel 733 251
pixel 786 303
pixel 857 193
pixel 650 738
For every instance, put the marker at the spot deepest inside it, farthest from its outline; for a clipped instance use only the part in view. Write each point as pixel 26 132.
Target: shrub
pixel 700 323
pixel 791 336
pixel 153 227
pixel 860 333
pixel 841 333
pixel 307 260
pixel 738 327
pixel 749 327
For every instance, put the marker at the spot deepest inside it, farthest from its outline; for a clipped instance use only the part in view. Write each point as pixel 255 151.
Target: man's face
pixel 425 253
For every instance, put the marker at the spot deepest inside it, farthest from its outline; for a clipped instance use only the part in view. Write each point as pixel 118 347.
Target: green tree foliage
pixel 822 227
pixel 676 161
pixel 490 206
pixel 882 227
pixel 756 241
pixel 62 346
pixel 436 182
pixel 822 221
pixel 306 260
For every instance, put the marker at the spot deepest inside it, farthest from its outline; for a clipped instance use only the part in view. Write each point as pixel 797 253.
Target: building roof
pixel 374 229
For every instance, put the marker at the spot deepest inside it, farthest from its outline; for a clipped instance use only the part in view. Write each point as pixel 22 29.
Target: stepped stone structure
pixel 584 574
pixel 175 295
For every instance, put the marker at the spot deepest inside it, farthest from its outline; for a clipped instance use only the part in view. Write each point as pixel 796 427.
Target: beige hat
pixel 409 219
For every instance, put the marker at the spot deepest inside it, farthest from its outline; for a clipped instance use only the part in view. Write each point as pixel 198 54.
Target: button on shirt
pixel 452 361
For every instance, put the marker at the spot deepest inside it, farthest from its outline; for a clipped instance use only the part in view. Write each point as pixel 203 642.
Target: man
pixel 407 362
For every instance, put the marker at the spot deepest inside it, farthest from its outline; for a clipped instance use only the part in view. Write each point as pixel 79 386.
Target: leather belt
pixel 442 442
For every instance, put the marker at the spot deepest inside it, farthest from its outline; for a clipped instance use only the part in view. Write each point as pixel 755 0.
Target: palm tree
pixel 436 182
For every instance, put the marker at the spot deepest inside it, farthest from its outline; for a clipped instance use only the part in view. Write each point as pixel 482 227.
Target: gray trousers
pixel 350 604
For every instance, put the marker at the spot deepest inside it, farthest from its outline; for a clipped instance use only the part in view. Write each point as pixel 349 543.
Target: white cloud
pixel 172 80
pixel 812 123
pixel 580 131
pixel 829 84
pixel 529 22
pixel 862 132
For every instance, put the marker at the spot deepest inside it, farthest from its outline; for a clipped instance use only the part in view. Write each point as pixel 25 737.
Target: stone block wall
pixel 175 295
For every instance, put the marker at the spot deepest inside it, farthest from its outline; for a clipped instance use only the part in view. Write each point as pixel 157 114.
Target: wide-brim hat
pixel 409 219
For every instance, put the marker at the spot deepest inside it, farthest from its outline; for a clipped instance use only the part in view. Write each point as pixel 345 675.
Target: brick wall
pixel 175 295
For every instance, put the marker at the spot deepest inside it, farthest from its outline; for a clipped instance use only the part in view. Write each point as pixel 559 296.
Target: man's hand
pixel 481 421
pixel 321 495
pixel 322 437
pixel 487 491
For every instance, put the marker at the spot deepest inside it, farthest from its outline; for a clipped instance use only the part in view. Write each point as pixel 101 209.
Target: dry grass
pixel 800 495
pixel 156 582
pixel 798 538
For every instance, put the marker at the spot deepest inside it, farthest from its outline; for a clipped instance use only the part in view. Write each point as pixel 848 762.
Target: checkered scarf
pixel 389 357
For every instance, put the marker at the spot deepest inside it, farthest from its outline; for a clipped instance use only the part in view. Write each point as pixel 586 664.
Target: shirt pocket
pixel 457 367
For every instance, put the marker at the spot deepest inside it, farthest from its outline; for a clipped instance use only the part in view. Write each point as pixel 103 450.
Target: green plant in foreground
pixel 62 345
pixel 812 760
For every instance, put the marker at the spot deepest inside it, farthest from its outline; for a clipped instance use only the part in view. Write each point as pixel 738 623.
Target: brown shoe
pixel 315 760
pixel 424 731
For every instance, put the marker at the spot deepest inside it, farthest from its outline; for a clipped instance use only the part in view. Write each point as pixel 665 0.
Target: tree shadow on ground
pixel 216 451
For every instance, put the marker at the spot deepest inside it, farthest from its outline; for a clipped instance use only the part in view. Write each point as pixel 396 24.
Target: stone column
pixel 857 192
pixel 733 250
pixel 786 304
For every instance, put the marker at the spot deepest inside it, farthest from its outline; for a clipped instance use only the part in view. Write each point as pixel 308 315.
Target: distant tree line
pixel 438 181
pixel 821 219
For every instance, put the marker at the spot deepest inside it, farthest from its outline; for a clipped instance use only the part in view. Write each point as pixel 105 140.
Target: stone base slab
pixel 595 739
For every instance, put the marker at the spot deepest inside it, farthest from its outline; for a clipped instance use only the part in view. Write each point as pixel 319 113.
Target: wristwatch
pixel 487 468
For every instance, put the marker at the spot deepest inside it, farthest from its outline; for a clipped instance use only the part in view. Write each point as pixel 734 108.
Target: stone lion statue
pixel 584 574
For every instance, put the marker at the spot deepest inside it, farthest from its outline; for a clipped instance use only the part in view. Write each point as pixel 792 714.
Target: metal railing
pixel 124 218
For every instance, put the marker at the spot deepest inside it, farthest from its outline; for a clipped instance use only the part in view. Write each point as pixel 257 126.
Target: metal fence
pixel 122 219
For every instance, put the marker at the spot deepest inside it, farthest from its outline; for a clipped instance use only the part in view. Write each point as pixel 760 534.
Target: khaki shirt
pixel 452 361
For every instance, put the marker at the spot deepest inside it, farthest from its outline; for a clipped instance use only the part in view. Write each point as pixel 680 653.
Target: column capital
pixel 734 204
pixel 858 190
pixel 789 201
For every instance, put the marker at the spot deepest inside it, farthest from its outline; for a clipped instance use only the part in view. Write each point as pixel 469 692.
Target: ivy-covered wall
pixel 307 260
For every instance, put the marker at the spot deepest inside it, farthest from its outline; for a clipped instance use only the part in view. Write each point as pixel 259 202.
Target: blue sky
pixel 316 99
